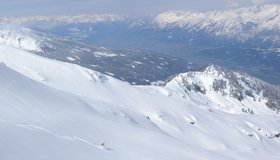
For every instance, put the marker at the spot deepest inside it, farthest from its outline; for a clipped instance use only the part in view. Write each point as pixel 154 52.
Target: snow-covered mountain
pixel 228 90
pixel 240 24
pixel 55 110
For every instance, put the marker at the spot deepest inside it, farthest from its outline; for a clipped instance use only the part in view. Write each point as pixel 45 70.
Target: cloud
pixel 258 2
pixel 248 3
pixel 131 8
pixel 233 4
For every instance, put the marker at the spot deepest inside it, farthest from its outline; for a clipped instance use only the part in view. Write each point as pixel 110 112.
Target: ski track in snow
pixel 36 128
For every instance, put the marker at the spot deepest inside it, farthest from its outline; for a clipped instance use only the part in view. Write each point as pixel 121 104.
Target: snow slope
pixel 55 110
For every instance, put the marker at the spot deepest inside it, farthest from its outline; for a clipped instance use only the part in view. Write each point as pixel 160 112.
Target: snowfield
pixel 55 110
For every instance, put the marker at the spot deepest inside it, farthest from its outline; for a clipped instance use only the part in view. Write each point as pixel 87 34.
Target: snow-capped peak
pixel 213 69
pixel 20 37
pixel 241 24
pixel 230 91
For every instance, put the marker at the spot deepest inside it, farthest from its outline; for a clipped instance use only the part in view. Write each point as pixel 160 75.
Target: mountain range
pixel 245 24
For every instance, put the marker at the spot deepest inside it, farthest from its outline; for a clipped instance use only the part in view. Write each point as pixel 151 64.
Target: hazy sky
pixel 122 7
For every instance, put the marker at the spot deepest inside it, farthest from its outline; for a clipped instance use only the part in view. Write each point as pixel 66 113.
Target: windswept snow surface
pixel 55 110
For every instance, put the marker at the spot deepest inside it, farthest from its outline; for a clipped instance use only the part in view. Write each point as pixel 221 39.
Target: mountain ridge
pixel 240 24
pixel 214 82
